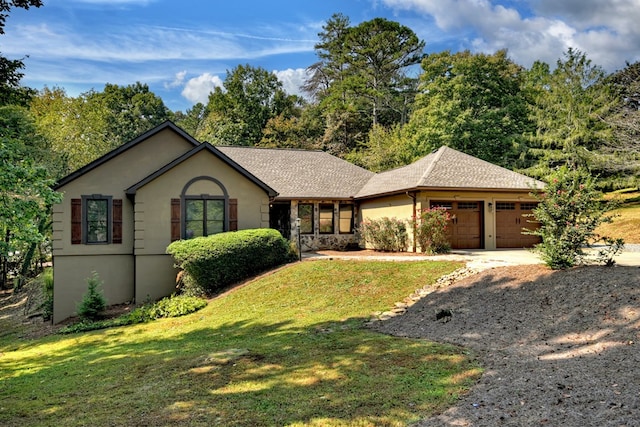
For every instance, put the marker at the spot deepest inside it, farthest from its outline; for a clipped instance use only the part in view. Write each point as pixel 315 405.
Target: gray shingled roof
pixel 447 168
pixel 301 174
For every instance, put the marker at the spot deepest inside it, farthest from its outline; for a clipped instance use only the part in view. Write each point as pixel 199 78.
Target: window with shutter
pixel 203 216
pixel 96 219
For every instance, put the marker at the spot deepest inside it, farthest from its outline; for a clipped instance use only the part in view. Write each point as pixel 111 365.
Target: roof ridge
pixel 272 148
pixel 432 165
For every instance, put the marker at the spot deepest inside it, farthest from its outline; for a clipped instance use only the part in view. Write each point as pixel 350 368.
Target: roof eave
pixel 461 189
pixel 131 191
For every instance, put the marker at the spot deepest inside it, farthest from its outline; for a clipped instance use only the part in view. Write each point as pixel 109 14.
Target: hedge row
pixel 214 262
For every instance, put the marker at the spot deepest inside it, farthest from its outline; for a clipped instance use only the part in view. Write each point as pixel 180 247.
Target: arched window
pixel 204 208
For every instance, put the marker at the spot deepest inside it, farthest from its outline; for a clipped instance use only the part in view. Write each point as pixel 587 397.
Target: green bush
pixel 384 234
pixel 569 211
pixel 93 302
pixel 431 230
pixel 173 306
pixel 214 262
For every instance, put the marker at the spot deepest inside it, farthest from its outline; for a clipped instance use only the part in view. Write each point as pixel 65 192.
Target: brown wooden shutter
pixel 175 219
pixel 117 221
pixel 233 214
pixel 76 221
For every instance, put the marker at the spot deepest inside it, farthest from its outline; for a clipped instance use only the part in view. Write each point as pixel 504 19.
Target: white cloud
pixel 178 81
pixel 292 80
pixel 606 31
pixel 198 88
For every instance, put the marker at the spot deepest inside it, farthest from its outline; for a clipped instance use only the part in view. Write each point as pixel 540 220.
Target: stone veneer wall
pixel 317 241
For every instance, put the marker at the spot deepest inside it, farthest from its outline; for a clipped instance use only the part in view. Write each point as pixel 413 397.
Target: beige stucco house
pixel 120 212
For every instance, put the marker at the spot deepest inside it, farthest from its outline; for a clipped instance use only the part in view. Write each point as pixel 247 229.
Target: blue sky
pixel 182 49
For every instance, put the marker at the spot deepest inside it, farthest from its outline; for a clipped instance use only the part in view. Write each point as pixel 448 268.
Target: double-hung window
pixel 203 216
pixel 96 219
pixel 305 213
pixel 346 219
pixel 326 219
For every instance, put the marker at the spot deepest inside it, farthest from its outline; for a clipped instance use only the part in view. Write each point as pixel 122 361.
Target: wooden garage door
pixel 465 230
pixel 510 220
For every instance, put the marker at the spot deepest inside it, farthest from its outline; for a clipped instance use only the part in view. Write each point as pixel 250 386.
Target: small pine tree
pixel 93 302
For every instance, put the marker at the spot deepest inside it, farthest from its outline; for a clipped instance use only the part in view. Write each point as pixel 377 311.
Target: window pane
pixel 194 229
pixel 346 219
pixel 215 210
pixel 195 210
pixel 326 219
pixel 214 227
pixel 97 221
pixel 305 213
pixel 215 217
pixel 194 221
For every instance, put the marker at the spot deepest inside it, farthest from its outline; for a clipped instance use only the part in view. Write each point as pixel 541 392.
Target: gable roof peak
pixel 168 124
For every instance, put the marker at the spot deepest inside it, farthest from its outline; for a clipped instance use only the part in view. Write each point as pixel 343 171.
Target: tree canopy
pixel 470 102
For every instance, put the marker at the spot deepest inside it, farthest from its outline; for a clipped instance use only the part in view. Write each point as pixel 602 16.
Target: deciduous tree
pixel 470 102
pixel 237 114
pixel 25 187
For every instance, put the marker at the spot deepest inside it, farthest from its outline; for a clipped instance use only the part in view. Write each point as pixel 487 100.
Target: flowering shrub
pixel 385 234
pixel 431 230
pixel 569 211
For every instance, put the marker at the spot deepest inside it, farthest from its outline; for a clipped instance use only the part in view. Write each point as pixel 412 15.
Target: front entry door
pixel 280 218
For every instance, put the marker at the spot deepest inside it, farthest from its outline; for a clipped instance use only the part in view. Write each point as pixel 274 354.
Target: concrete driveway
pixel 477 259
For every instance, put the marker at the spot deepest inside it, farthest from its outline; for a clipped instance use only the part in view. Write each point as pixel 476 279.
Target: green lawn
pixel 627 218
pixel 287 349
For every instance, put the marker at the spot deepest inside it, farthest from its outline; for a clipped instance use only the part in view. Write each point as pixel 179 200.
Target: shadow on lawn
pixel 560 346
pixel 235 374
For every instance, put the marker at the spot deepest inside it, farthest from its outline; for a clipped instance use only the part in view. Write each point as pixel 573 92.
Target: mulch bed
pixel 559 348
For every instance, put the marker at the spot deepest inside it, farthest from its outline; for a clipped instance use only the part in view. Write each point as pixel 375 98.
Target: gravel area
pixel 558 348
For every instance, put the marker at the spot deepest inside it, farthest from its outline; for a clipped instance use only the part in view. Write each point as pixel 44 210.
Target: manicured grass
pixel 286 349
pixel 627 221
pixel 625 226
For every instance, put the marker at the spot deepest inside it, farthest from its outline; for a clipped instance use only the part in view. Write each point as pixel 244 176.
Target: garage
pixel 465 231
pixel 511 218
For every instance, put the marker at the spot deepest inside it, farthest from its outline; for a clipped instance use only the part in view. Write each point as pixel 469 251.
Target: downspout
pixel 412 195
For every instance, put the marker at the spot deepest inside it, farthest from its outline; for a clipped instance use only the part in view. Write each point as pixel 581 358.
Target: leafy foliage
pixel 173 306
pixel 93 302
pixel 214 262
pixel 431 230
pixel 25 185
pixel 47 288
pixel 568 106
pixel 569 211
pixel 360 79
pixel 238 114
pixel 385 234
pixel 472 103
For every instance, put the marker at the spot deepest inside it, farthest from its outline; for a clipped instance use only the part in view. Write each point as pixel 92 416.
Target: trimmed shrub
pixel 214 262
pixel 431 231
pixel 384 234
pixel 93 302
